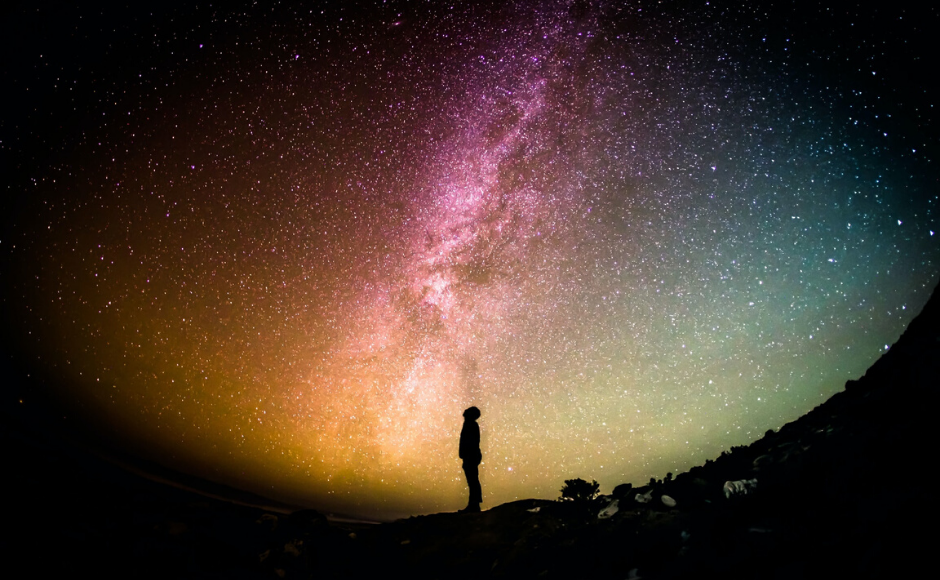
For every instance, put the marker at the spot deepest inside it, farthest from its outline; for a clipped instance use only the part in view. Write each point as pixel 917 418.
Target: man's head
pixel 471 414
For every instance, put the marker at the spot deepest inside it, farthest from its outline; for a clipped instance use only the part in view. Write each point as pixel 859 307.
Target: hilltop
pixel 842 491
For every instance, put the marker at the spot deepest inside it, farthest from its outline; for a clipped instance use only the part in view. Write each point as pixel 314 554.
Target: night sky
pixel 285 247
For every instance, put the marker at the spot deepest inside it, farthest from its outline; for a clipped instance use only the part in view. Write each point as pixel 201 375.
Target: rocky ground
pixel 845 491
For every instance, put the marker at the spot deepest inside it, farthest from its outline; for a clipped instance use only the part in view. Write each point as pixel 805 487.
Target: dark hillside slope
pixel 844 491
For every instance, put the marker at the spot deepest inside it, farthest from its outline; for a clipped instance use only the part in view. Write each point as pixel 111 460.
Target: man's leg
pixel 473 482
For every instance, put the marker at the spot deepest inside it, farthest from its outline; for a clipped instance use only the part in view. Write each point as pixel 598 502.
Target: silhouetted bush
pixel 579 490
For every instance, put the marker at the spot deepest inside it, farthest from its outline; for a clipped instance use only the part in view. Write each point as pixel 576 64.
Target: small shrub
pixel 579 490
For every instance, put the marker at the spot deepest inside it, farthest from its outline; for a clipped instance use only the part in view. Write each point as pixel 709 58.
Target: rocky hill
pixel 844 491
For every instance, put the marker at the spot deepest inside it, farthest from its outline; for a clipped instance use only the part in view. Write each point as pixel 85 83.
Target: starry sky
pixel 283 246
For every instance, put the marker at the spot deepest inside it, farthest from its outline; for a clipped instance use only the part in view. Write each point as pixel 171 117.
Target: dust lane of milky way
pixel 300 242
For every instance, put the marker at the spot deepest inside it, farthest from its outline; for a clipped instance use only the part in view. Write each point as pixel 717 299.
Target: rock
pixel 291 547
pixel 610 510
pixel 622 491
pixel 739 488
pixel 762 461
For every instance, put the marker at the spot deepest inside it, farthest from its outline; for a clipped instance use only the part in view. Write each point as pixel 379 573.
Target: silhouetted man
pixel 471 455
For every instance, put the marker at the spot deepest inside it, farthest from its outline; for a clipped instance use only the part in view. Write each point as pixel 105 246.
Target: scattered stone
pixel 760 530
pixel 291 547
pixel 623 490
pixel 762 461
pixel 739 488
pixel 610 510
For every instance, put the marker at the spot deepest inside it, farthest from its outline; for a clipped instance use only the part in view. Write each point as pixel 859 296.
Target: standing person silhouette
pixel 471 455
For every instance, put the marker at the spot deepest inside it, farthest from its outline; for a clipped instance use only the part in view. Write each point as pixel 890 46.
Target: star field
pixel 285 247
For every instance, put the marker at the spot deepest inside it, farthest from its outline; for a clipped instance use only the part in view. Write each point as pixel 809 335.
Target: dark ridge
pixel 839 492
